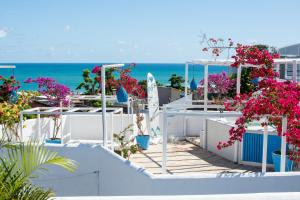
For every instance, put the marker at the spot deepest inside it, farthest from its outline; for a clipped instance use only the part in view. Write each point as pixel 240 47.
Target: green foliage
pixel 19 163
pixel 10 114
pixel 125 147
pixel 246 85
pixel 89 84
pixel 176 82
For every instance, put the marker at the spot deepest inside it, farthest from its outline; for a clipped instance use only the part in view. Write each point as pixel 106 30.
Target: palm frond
pixel 32 157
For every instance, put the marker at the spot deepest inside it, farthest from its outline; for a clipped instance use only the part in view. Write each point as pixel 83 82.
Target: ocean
pixel 70 74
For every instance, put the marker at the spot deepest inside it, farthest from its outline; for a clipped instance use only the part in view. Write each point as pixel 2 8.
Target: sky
pixel 138 30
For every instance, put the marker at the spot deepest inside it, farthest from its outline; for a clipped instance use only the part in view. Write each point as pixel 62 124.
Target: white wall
pixel 217 132
pixel 89 127
pixel 120 177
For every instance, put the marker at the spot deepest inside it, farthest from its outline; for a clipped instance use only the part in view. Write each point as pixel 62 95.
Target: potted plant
pixel 125 144
pixel 57 95
pixel 142 140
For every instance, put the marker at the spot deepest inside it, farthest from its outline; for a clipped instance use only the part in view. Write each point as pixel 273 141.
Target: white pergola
pixel 181 109
pixel 103 95
pixel 67 111
pixel 206 63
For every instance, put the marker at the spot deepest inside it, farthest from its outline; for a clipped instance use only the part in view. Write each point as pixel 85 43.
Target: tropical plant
pixel 176 81
pixel 19 163
pixel 10 114
pixel 272 98
pixel 92 82
pixel 7 87
pixel 218 85
pixel 57 95
pixel 125 143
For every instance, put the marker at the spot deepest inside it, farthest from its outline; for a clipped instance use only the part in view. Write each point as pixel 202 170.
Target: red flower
pixel 96 69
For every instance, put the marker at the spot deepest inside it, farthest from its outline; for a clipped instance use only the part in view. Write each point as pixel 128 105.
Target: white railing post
pixel 265 147
pixel 283 144
pixel 294 78
pixel 205 86
pixel 21 126
pixel 39 125
pixel 104 127
pixel 112 130
pixel 165 140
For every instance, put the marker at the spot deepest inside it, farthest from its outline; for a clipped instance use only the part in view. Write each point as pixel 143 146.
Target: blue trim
pixel 253 147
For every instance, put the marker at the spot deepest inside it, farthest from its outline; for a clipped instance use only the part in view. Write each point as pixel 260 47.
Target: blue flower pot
pixel 276 157
pixel 143 141
pixel 53 141
pixel 122 95
pixel 193 85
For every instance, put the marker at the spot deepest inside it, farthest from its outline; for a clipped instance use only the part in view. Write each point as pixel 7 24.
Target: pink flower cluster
pixel 271 98
pixel 253 56
pixel 217 84
pixel 129 83
pixel 55 92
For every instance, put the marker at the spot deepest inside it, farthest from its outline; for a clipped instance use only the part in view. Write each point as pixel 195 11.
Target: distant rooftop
pixel 291 51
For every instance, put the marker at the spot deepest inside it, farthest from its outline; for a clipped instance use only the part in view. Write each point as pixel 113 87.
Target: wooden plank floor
pixel 185 157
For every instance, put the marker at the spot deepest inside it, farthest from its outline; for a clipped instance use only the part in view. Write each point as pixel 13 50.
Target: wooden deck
pixel 185 157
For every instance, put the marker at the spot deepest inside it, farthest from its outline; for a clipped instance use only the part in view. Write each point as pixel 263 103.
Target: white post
pixel 39 125
pixel 122 120
pixel 104 128
pixel 294 71
pixel 204 136
pixel 283 144
pixel 186 83
pixel 265 147
pixel 205 86
pixel 165 140
pixel 21 126
pixel 112 130
pixel 238 80
pixel 277 67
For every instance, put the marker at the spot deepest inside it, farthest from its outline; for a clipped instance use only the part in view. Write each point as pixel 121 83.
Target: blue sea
pixel 70 74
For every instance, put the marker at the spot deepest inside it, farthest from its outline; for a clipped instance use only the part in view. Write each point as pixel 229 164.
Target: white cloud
pixel 67 28
pixel 121 42
pixel 121 50
pixel 3 33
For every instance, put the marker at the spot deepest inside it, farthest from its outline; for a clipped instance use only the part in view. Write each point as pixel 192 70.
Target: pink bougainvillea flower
pixel 29 80
pixel 96 69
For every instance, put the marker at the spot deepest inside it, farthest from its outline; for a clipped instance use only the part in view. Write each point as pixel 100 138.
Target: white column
pixel 294 71
pixel 165 140
pixel 39 125
pixel 205 86
pixel 21 127
pixel 112 130
pixel 104 128
pixel 186 81
pixel 265 147
pixel 238 80
pixel 283 144
pixel 277 66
